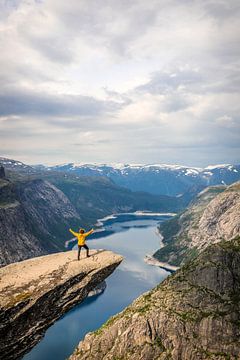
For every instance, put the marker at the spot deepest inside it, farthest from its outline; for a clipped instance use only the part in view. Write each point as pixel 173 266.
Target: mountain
pixel 88 192
pixel 160 179
pixel 34 219
pixel 15 165
pixel 38 207
pixel 96 197
pixel 171 180
pixel 193 314
pixel 212 217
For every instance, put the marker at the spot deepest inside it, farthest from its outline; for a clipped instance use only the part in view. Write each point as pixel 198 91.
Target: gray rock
pixel 192 315
pixel 35 293
pixel 99 289
pixel 34 220
pixel 214 216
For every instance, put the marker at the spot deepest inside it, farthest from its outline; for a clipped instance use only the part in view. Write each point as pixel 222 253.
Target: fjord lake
pixel 131 235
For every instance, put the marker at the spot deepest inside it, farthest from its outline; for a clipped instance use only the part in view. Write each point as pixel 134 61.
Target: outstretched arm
pixel 89 232
pixel 73 232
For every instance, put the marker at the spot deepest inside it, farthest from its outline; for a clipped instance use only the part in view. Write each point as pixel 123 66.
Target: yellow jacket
pixel 81 237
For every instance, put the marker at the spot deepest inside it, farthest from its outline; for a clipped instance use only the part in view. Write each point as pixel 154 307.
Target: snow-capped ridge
pixel 219 166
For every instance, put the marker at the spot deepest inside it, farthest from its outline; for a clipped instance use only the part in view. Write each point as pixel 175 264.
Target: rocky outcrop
pixel 36 292
pixel 220 219
pixel 192 315
pixel 213 217
pixel 34 219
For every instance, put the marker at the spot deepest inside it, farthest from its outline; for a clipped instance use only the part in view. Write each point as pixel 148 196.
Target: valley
pixel 39 204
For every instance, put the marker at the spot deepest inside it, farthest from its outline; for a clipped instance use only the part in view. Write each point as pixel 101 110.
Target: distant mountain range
pixel 171 180
pixel 161 179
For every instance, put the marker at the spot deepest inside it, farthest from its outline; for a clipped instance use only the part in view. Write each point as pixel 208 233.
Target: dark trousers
pixel 79 250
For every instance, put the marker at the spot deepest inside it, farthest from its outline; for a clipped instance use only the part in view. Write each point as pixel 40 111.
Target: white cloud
pixel 139 81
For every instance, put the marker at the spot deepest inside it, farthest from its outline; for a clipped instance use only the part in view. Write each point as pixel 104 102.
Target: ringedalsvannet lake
pixel 131 235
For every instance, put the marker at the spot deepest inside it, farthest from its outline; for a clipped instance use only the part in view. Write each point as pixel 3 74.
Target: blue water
pixel 131 236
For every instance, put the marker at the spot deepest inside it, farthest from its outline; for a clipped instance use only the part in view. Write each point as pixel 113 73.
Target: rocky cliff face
pixel 49 210
pixel 34 219
pixel 36 292
pixel 17 241
pixel 213 217
pixel 192 315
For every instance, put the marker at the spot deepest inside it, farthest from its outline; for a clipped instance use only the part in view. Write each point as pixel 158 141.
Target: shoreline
pixel 150 260
pixel 100 222
pixel 159 234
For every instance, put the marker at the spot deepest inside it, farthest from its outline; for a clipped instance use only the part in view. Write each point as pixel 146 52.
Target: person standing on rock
pixel 81 237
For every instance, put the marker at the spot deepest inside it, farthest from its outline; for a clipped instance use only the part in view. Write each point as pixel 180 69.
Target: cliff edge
pixel 35 293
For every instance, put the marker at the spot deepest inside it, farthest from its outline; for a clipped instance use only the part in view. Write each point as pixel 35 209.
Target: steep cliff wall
pixel 192 315
pixel 213 217
pixel 49 211
pixel 34 219
pixel 34 293
pixel 17 241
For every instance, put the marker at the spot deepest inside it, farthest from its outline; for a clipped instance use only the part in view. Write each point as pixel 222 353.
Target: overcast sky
pixel 134 81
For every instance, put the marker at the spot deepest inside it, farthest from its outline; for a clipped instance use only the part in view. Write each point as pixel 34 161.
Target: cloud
pixel 165 81
pixel 139 81
pixel 24 102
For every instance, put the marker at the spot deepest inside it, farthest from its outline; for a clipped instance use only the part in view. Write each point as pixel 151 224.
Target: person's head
pixel 81 231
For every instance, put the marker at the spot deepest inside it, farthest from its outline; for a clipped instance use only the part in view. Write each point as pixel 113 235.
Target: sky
pixel 133 81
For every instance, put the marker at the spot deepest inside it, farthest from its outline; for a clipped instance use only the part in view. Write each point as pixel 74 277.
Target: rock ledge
pixel 35 293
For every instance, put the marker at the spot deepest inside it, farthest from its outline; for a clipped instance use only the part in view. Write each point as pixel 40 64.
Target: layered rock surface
pixel 192 315
pixel 35 293
pixel 213 217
